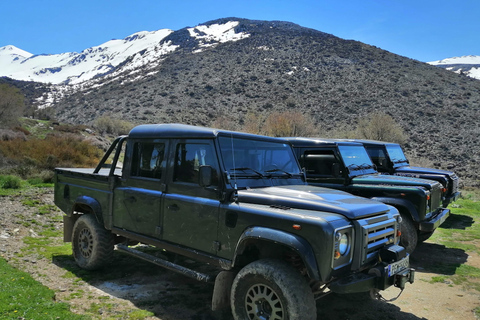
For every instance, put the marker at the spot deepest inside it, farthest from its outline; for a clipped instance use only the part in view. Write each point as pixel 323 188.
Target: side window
pixel 319 163
pixel 378 156
pixel 148 160
pixel 189 157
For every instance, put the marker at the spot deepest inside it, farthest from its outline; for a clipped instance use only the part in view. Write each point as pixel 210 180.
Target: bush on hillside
pixel 109 125
pixel 33 157
pixel 288 124
pixel 380 126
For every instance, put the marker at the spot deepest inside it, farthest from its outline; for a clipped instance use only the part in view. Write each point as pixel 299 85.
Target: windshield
pixel 396 155
pixel 257 158
pixel 356 158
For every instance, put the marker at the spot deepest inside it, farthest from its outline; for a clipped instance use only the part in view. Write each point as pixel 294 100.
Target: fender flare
pixel 93 204
pixel 407 205
pixel 292 241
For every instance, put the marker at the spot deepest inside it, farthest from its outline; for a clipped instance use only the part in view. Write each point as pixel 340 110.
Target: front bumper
pixel 452 198
pixel 380 277
pixel 435 221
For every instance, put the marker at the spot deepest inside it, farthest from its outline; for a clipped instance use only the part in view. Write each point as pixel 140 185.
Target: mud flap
pixel 221 291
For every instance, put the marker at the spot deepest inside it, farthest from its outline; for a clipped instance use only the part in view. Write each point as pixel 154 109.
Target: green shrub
pixel 10 182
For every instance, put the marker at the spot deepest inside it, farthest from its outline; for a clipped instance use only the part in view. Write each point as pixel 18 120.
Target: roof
pixel 316 142
pixel 372 142
pixel 175 130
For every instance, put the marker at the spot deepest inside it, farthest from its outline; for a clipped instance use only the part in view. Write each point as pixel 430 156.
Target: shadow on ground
pixel 457 221
pixel 436 258
pixel 340 307
pixel 172 296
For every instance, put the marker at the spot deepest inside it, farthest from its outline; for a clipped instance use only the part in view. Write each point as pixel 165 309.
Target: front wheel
pixel 92 244
pixel 409 236
pixel 271 290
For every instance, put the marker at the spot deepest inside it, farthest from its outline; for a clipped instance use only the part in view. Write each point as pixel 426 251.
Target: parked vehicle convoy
pixel 346 166
pixel 390 158
pixel 239 203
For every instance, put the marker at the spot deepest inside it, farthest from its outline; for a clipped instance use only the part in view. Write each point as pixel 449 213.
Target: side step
pixel 166 264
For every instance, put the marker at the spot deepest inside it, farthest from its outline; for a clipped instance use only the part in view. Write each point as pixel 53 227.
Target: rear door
pixel 137 204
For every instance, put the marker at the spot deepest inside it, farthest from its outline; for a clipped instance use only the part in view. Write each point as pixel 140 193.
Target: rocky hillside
pixel 282 66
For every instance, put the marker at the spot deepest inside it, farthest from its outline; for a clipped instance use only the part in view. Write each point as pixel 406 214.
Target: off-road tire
pixel 424 236
pixel 409 237
pixel 92 244
pixel 271 289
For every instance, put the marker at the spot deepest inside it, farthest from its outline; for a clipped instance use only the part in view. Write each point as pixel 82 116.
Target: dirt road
pixel 133 289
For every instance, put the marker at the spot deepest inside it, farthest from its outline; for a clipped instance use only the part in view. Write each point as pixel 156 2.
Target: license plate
pixel 398 266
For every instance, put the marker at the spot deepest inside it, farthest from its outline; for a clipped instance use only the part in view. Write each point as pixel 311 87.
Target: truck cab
pixel 345 165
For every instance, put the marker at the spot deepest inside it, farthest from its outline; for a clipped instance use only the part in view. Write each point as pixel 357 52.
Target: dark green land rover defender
pixel 389 158
pixel 238 202
pixel 345 165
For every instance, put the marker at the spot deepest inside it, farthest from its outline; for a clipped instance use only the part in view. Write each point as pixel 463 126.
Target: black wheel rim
pixel 85 243
pixel 263 303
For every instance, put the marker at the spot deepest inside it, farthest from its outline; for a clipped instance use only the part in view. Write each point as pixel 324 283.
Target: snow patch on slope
pixel 458 60
pixel 216 33
pixel 74 68
pixel 468 65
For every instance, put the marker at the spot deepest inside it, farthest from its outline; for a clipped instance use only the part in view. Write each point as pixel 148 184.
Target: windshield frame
pixel 357 162
pixel 396 155
pixel 259 159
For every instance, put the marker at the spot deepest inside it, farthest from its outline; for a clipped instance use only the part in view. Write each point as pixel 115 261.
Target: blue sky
pixel 424 30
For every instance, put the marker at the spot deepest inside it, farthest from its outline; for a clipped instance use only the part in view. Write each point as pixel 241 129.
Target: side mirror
pixel 205 175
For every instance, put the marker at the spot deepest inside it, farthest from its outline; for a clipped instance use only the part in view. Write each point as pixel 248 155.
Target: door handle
pixel 131 199
pixel 173 207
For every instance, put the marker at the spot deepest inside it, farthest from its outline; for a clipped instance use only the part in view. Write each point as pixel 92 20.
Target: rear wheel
pixel 271 290
pixel 92 244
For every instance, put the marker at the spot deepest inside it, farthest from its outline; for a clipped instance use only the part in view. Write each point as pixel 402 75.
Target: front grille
pixel 376 233
pixel 436 198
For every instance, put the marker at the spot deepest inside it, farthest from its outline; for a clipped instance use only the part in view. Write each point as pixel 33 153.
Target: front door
pixel 190 210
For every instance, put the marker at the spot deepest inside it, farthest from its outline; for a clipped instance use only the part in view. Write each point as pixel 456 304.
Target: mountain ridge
pixel 281 66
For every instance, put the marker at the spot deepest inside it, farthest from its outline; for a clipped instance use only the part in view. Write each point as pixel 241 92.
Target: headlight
pixel 343 245
pixel 343 239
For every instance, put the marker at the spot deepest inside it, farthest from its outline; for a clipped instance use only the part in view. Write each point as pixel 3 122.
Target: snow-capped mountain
pixel 142 49
pixel 468 65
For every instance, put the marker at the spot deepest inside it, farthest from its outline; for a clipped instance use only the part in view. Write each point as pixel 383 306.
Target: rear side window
pixel 319 162
pixel 148 160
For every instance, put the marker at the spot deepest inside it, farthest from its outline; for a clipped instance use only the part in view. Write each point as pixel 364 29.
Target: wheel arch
pixel 265 240
pixel 82 205
pixel 401 205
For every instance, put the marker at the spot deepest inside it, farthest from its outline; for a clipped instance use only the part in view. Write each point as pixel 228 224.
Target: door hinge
pixel 158 230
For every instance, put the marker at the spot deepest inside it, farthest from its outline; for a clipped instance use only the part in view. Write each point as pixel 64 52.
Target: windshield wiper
pixel 289 175
pixel 367 166
pixel 247 168
pixel 354 166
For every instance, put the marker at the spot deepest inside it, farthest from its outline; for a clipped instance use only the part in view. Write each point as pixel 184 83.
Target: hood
pixel 382 179
pixel 315 199
pixel 419 171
